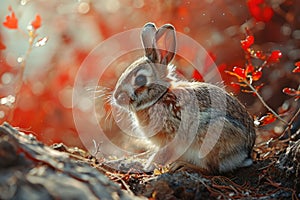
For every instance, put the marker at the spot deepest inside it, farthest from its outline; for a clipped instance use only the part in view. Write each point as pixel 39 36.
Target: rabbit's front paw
pixel 180 165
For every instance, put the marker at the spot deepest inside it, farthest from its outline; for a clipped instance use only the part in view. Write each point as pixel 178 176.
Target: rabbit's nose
pixel 122 98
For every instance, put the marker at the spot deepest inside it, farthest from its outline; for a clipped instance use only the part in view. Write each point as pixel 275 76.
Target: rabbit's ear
pixel 148 35
pixel 165 43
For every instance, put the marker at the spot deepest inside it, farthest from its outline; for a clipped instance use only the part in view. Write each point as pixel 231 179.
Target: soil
pixel 31 170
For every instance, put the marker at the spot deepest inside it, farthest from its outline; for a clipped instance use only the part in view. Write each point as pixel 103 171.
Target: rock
pixel 31 170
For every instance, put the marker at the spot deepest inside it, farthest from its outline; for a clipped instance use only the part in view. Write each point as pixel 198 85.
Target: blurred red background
pixel 74 28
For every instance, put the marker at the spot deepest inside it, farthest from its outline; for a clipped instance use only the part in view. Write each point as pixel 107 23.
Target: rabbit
pixel 164 106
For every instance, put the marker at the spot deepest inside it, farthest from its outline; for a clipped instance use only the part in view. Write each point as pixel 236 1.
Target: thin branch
pixel 20 76
pixel 264 103
pixel 289 125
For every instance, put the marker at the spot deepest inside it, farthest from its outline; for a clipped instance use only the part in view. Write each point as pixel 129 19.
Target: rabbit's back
pixel 216 116
pixel 223 118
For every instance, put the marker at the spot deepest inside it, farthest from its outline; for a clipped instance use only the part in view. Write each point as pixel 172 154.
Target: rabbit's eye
pixel 140 80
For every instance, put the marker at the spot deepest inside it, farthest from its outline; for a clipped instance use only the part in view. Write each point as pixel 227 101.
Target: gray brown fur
pixel 158 103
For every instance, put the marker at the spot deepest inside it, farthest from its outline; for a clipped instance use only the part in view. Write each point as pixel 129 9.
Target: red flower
pixel 247 42
pixel 292 92
pixel 235 86
pixel 37 22
pixel 274 57
pixel 242 74
pixel 222 67
pixel 266 119
pixel 197 76
pixel 259 86
pixel 249 69
pixel 259 55
pixel 260 10
pixel 238 72
pixel 256 75
pixel 2 46
pixel 297 69
pixel 11 21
